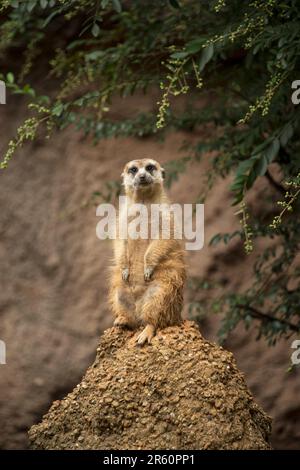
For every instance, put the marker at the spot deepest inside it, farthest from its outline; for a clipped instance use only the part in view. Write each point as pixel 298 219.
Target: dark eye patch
pixel 133 170
pixel 150 167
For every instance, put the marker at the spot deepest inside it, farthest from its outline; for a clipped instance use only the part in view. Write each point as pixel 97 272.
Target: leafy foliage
pixel 243 55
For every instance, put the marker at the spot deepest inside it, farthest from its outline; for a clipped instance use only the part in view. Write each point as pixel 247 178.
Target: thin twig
pixel 274 183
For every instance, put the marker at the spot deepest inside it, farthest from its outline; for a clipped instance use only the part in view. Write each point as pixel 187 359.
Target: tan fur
pixel 148 276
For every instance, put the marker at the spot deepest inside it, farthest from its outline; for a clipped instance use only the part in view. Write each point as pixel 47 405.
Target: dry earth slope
pixel 179 392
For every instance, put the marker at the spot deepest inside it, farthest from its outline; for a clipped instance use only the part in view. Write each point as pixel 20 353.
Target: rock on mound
pixel 180 392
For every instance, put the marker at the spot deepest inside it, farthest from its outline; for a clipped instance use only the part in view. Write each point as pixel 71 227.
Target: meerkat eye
pixel 150 167
pixel 133 170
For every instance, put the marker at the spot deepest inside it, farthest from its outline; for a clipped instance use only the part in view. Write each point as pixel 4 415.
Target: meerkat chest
pixel 137 249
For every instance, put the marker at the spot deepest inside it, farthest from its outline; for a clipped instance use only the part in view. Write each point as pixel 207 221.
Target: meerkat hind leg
pixel 146 335
pixel 124 308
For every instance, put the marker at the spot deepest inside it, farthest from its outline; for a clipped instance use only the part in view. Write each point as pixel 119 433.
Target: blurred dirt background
pixel 54 270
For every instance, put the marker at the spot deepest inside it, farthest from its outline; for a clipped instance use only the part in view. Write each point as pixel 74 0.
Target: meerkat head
pixel 142 175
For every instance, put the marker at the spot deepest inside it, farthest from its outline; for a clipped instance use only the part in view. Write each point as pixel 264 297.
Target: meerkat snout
pixel 142 174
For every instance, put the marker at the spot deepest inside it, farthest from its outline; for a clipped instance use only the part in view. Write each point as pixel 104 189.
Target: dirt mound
pixel 181 392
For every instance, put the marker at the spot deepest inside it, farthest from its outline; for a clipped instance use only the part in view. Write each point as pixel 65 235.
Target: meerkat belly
pixel 136 251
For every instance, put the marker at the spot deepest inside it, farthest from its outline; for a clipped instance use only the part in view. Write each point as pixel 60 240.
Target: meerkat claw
pixel 148 273
pixel 146 335
pixel 125 274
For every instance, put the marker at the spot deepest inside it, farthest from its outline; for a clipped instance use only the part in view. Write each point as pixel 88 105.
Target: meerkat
pixel 148 275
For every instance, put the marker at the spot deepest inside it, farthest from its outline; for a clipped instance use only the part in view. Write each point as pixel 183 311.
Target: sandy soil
pixel 182 392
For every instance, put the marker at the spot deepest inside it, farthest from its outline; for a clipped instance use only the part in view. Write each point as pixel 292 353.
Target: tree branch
pixel 265 316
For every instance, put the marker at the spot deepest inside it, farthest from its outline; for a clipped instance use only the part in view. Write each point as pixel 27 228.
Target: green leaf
pixel 95 30
pixel 95 55
pixel 260 148
pixel 117 5
pixel 252 175
pixel 238 198
pixel 206 56
pixel 194 46
pixel 272 150
pixel 244 167
pixel 31 4
pixel 44 99
pixel 261 165
pixel 81 42
pixel 256 48
pixel 28 90
pixel 286 134
pixel 50 17
pixel 246 174
pixel 238 183
pixel 215 239
pixel 44 3
pixel 180 55
pixel 10 77
pixel 58 109
pixel 226 238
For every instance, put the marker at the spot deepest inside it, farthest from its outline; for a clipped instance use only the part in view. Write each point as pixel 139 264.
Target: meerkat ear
pixel 163 173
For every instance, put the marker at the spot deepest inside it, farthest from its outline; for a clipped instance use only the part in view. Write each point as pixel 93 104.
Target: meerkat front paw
pixel 148 271
pixel 146 335
pixel 122 322
pixel 125 274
